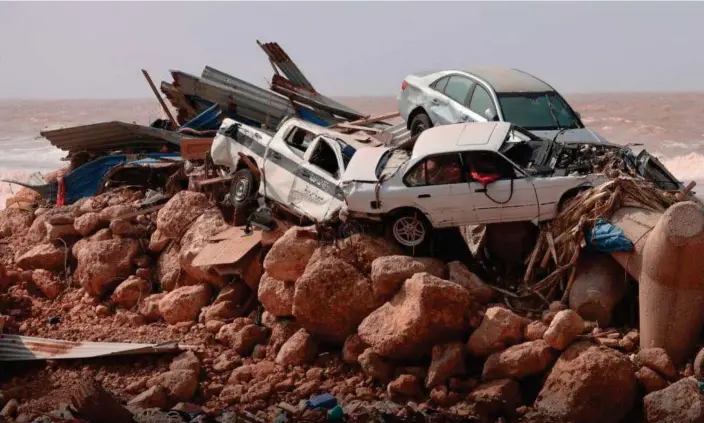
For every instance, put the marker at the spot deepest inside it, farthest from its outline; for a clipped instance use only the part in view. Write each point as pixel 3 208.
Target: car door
pixel 509 198
pixel 437 186
pixel 315 190
pixel 482 103
pixel 449 107
pixel 283 157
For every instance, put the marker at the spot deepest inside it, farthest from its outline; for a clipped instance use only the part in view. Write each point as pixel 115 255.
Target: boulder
pixel 426 311
pixel 389 272
pixel 589 383
pixel 101 235
pixel 186 361
pixel 49 284
pixel 208 224
pixel 461 275
pixel 110 213
pixel 184 304
pixel 519 361
pixel 447 361
pixel 149 308
pixel 658 360
pixel 128 293
pixel 276 295
pixel 281 331
pixel 681 402
pixel 227 333
pixel 158 241
pixel 103 263
pixel 289 256
pixel 331 298
pixel 499 329
pixel 375 367
pixel 87 224
pixel 64 217
pixel 352 348
pixel 43 256
pixel 169 272
pixel 121 227
pixel 406 386
pixel 225 310
pixel 298 350
pixel 179 212
pixel 535 330
pixel 236 293
pixel 154 397
pixel 180 385
pixel 358 250
pixel 563 329
pixel 650 380
pixel 497 398
pixel 699 365
pixel 14 221
pixel 57 232
pixel 245 339
pixel 37 232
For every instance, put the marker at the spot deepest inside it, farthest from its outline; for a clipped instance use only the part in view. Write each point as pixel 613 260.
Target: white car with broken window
pixel 301 165
pixel 490 94
pixel 466 174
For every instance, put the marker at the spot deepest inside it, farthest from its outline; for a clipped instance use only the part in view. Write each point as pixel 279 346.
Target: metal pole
pixel 161 100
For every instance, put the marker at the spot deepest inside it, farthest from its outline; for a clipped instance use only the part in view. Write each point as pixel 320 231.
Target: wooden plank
pixel 235 245
pixel 358 128
pixel 195 148
pixel 212 181
pixel 161 100
pixel 370 119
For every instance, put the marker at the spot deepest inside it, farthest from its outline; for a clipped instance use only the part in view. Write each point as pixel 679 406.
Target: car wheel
pixel 420 123
pixel 411 230
pixel 244 188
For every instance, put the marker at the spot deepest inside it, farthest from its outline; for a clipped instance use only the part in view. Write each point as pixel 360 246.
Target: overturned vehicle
pixel 454 175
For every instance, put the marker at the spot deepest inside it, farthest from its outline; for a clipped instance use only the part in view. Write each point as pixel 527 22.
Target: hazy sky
pixel 96 50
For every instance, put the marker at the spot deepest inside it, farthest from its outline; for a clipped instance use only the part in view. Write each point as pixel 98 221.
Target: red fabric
pixel 485 179
pixel 61 195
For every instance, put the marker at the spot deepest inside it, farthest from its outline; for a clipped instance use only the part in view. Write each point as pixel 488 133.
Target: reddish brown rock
pixel 426 311
pixel 358 250
pixel 227 333
pixel 103 263
pixel 331 298
pixel 14 221
pixel 289 256
pixel 187 360
pixel 678 403
pixel 5 279
pixel 208 224
pixel 405 385
pixel 87 224
pixel 535 330
pixel 149 307
pixel 276 296
pixel 497 398
pixel 352 348
pixel 563 329
pixel 236 293
pixel 184 304
pixel 180 385
pixel 589 384
pixel 43 256
pixel 130 292
pixel 221 311
pixel 169 272
pixel 459 274
pixel 60 232
pixel 658 360
pixel 245 339
pixel 389 272
pixel 158 241
pixel 519 361
pixel 298 350
pixel 374 366
pixel 447 361
pixel 179 212
pixel 36 232
pixel 110 213
pixel 499 329
pixel 49 284
pixel 154 397
pixel 650 380
pixel 121 227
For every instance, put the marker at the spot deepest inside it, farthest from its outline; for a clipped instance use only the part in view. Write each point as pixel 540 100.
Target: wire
pixel 486 192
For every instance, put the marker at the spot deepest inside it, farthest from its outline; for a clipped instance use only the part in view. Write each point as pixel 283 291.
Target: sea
pixel 667 125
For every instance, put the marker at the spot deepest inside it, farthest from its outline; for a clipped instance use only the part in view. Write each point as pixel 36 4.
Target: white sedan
pixel 459 174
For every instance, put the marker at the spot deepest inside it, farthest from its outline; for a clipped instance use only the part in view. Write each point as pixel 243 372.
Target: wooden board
pixel 195 148
pixel 228 247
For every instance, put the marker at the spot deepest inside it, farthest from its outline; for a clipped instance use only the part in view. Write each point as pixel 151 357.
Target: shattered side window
pixel 298 139
pixel 438 170
pixel 416 177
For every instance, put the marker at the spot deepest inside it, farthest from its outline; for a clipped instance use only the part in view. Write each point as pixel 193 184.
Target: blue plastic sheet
pixel 605 237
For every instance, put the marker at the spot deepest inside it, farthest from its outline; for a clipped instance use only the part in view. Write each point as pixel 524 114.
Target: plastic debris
pixel 336 413
pixel 607 238
pixel 324 401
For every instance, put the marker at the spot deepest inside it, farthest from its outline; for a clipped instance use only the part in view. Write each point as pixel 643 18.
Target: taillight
pixel 404 85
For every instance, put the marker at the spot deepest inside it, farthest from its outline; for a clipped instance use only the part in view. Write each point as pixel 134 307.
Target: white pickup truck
pixel 303 165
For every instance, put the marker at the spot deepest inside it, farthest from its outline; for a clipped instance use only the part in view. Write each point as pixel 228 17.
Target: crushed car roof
pixel 505 80
pixel 461 136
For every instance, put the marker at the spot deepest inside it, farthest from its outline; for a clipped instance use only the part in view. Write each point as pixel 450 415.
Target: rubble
pixel 679 402
pixel 519 361
pixel 184 304
pixel 289 256
pixel 499 329
pixel 102 264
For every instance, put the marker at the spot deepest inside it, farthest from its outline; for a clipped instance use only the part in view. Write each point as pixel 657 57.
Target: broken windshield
pixel 537 111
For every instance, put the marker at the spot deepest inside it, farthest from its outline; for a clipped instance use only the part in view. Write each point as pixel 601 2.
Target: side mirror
pixel 489 114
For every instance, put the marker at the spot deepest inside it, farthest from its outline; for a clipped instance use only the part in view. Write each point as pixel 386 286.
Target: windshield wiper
pixel 552 112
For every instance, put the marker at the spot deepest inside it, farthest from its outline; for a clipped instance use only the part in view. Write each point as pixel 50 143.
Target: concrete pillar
pixel 671 287
pixel 636 224
pixel 599 284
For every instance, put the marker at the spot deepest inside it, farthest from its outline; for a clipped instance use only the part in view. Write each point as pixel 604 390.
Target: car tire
pixel 243 190
pixel 411 230
pixel 420 123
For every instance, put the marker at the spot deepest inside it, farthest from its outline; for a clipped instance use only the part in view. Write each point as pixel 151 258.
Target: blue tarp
pixel 209 119
pixel 607 238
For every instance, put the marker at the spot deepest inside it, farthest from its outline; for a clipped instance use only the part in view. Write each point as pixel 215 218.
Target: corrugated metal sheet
pixel 279 57
pixel 24 348
pixel 104 136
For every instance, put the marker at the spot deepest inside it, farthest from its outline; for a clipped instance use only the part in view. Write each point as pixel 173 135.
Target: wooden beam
pixel 370 119
pixel 161 100
pixel 358 128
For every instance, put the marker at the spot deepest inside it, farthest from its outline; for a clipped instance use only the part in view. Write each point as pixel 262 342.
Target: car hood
pixel 362 166
pixel 573 135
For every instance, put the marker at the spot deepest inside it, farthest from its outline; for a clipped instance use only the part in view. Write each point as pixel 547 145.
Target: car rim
pixel 241 189
pixel 420 127
pixel 409 231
